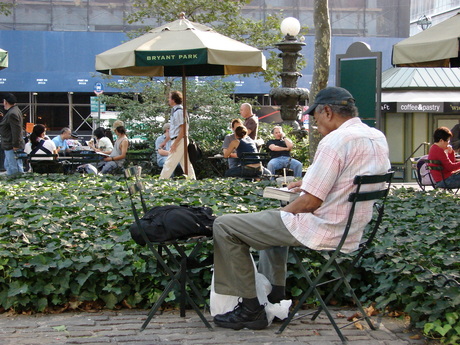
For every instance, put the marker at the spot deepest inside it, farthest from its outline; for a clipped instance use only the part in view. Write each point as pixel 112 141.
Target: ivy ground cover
pixel 64 240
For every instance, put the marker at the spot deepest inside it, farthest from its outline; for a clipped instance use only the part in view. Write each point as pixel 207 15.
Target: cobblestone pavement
pixel 122 327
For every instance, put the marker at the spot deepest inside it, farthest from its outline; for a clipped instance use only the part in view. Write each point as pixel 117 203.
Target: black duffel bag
pixel 172 222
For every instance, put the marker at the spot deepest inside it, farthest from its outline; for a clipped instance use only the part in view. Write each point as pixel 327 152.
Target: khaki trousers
pixel 174 159
pixel 234 235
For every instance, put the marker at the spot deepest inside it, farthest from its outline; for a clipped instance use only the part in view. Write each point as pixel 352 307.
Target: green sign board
pixel 95 103
pixel 358 76
pixel 172 58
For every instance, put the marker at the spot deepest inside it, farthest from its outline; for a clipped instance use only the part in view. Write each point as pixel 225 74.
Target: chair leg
pixel 158 303
pixel 312 288
pixel 355 298
pixel 183 280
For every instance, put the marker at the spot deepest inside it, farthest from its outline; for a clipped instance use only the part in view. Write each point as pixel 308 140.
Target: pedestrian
pixel 177 134
pixel 11 132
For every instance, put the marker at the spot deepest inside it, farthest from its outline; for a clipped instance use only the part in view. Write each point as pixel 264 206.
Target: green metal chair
pixel 333 259
pixel 176 257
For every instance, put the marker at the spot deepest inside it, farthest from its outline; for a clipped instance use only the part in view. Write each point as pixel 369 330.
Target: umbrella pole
pixel 184 101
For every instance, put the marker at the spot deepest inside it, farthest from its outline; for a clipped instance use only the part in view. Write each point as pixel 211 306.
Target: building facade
pixel 52 46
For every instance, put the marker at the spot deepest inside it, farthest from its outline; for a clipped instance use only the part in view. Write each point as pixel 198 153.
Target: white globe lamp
pixel 290 26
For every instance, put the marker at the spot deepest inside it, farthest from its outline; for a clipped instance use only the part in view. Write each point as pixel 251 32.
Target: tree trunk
pixel 321 64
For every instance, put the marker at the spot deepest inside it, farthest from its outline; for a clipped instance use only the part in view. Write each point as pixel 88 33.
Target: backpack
pixel 424 175
pixel 172 222
pixel 194 151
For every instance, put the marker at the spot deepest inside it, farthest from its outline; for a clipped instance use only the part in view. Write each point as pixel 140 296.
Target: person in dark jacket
pixel 11 132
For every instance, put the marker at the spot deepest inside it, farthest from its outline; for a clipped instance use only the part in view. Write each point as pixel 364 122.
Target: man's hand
pixel 306 203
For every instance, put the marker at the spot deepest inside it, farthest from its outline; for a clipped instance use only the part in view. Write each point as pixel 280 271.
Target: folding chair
pixel 179 263
pixel 436 165
pixel 378 195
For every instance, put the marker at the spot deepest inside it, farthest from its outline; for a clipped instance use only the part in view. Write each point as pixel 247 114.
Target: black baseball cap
pixel 10 98
pixel 331 95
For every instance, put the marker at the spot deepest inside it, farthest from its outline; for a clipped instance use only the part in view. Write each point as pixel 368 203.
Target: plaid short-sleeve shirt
pixel 352 149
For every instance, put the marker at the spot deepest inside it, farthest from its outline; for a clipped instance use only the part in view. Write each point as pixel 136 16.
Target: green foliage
pixel 6 8
pixel 66 239
pixel 414 263
pixel 209 106
pixel 449 329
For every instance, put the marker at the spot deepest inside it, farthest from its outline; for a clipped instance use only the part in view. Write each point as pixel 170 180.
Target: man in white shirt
pixel 316 219
pixel 177 134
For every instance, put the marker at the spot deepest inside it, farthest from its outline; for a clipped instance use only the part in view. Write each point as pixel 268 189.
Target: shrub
pixel 65 240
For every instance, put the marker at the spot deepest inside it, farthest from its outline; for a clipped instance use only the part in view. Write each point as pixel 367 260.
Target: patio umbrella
pixel 181 49
pixel 3 59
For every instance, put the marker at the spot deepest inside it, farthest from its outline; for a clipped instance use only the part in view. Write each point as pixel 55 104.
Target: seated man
pixel 61 141
pixel 280 153
pixel 316 219
pixel 443 152
pixel 233 160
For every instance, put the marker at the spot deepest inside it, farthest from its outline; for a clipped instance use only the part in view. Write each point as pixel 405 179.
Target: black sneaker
pixel 242 317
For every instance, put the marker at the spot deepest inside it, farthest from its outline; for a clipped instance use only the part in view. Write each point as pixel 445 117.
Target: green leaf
pixel 452 318
pixel 17 288
pixel 110 300
pixel 443 330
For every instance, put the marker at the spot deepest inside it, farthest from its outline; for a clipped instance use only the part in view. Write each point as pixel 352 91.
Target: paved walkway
pixel 122 327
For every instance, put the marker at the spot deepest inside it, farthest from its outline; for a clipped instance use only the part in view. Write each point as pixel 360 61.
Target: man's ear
pixel 328 111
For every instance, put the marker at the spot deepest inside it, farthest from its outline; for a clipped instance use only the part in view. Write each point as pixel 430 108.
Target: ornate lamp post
pixel 289 95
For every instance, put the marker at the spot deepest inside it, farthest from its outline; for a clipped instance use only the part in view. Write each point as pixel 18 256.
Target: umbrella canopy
pixel 181 48
pixel 433 47
pixel 3 59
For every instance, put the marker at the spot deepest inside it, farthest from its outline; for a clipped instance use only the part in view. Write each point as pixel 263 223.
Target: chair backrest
pixel 43 156
pixel 135 186
pixel 45 163
pixel 83 157
pixel 254 157
pixel 378 194
pixel 433 164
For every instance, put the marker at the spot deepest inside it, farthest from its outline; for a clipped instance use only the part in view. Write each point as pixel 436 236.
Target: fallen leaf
pixel 371 311
pixel 316 333
pixel 126 304
pixel 359 326
pixel 61 328
pixel 356 315
pixel 74 304
pixel 395 313
pixel 415 337
pixel 341 316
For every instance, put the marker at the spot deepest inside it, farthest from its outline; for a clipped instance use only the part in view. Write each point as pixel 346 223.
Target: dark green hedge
pixel 65 239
